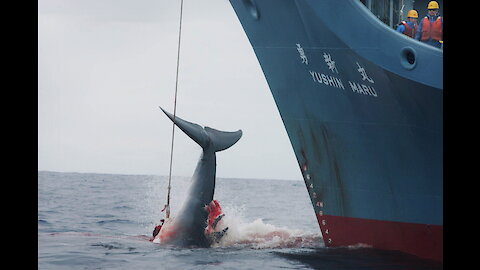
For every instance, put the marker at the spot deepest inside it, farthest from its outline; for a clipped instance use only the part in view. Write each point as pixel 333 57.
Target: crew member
pixel 409 27
pixel 430 28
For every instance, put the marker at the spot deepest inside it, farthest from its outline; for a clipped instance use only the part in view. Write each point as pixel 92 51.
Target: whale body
pixel 188 227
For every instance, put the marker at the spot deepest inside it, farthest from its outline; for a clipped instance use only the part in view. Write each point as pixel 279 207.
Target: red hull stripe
pixel 425 241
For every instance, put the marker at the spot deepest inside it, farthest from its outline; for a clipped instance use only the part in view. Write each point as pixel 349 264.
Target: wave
pixel 43 222
pixel 261 235
pixel 94 235
pixel 101 222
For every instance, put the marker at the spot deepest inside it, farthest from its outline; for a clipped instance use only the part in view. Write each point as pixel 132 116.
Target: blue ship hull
pixel 363 109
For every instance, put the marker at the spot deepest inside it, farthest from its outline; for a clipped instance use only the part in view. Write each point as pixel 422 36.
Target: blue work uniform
pixel 407 28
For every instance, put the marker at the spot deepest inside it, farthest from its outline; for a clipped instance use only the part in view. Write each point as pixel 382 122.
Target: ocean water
pixel 105 221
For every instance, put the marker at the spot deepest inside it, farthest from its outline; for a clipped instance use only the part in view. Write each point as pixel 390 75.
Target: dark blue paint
pixel 368 156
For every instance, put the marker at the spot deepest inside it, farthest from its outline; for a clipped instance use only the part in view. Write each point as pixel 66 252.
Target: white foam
pixel 260 235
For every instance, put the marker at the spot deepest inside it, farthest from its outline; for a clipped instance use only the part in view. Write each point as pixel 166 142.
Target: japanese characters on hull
pixel 333 81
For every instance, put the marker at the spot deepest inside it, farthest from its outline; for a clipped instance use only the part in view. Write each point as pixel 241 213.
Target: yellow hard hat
pixel 412 13
pixel 433 5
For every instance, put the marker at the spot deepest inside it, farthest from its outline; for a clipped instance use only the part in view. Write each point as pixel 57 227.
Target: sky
pixel 105 67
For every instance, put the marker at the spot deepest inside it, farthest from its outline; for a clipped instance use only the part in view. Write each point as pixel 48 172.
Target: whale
pixel 188 228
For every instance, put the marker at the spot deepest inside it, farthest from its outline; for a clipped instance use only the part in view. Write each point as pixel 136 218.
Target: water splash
pixel 255 234
pixel 260 235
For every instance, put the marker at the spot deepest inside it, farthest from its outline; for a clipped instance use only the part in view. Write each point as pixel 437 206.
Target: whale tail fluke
pixel 206 136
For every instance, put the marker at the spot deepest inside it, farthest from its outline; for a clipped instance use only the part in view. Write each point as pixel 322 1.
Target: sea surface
pixel 105 221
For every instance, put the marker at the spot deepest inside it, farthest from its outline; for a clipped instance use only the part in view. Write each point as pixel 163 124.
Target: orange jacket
pixel 432 30
pixel 409 31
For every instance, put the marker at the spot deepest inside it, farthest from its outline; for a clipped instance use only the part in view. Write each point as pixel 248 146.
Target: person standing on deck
pixel 430 28
pixel 409 27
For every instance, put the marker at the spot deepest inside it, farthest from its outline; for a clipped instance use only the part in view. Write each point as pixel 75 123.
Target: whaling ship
pixel 363 108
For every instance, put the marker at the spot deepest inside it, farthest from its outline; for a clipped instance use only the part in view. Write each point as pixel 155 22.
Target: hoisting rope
pixel 167 206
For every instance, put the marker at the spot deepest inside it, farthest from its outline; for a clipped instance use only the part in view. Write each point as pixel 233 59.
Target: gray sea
pixel 105 221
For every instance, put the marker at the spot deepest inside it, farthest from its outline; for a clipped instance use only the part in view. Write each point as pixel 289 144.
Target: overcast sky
pixel 104 67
